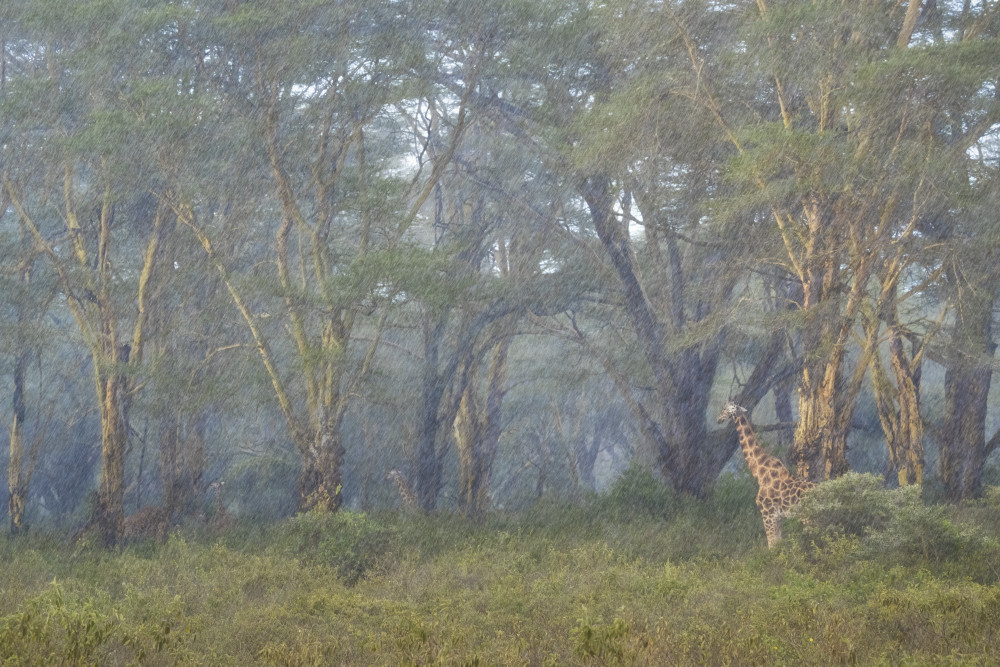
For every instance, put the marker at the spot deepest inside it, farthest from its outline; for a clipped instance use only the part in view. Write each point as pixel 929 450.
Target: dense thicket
pixel 505 248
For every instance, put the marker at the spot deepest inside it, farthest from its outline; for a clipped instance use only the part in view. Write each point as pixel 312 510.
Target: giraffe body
pixel 405 491
pixel 777 489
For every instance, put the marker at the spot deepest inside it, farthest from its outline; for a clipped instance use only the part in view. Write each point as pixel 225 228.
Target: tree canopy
pixel 505 248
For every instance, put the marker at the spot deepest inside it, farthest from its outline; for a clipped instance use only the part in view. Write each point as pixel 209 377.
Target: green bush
pixel 59 629
pixel 856 513
pixel 906 584
pixel 734 496
pixel 637 492
pixel 351 543
pixel 851 506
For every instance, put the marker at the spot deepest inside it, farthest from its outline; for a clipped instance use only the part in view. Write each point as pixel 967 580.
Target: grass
pixel 659 580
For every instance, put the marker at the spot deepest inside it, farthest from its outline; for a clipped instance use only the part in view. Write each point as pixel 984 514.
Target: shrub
pixel 56 628
pixel 852 505
pixel 734 495
pixel 638 492
pixel 858 513
pixel 351 543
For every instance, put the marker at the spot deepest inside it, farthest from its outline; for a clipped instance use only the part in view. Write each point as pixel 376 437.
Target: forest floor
pixel 636 576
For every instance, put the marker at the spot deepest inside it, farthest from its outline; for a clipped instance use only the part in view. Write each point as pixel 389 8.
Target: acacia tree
pixel 79 124
pixel 324 104
pixel 839 147
pixel 958 72
pixel 471 240
pixel 667 267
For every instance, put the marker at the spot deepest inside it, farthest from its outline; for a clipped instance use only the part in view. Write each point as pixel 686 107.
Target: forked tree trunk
pixel 477 436
pixel 820 446
pixel 320 482
pixel 674 424
pixel 899 406
pixel 685 460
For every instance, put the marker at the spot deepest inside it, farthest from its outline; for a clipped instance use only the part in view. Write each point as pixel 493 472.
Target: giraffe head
pixel 731 411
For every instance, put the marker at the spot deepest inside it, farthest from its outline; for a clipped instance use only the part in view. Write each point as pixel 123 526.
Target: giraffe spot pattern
pixel 777 489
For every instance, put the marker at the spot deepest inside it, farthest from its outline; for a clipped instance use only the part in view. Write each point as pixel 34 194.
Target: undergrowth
pixel 636 576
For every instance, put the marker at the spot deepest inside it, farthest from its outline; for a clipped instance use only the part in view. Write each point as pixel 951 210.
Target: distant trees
pixel 377 203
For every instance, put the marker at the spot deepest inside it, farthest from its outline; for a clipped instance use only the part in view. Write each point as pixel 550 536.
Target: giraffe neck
pixel 752 451
pixel 404 488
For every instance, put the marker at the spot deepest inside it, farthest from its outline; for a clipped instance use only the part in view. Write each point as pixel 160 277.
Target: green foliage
pixel 852 505
pixel 602 641
pixel 637 492
pixel 733 494
pixel 56 627
pixel 352 544
pixel 549 587
pixel 856 517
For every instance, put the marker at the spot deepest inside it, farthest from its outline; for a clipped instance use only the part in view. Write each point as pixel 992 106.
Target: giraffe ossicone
pixel 777 489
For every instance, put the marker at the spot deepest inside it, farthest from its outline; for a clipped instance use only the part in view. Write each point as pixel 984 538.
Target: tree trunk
pixel 18 477
pixel 320 482
pixel 962 440
pixel 834 267
pixel 586 455
pixel 783 411
pixel 115 394
pixel 182 464
pixel 428 482
pixel 899 406
pixel 468 428
pixel 820 446
pixel 193 466
pixel 685 460
pixel 168 438
pixel 477 435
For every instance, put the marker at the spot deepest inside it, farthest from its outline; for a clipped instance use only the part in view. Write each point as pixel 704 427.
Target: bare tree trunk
pixel 477 435
pixel 899 406
pixel 18 477
pixel 586 454
pixel 115 394
pixel 468 429
pixel 428 478
pixel 962 438
pixel 320 483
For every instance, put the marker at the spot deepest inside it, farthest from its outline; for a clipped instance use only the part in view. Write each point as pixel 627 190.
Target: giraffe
pixel 778 490
pixel 405 492
pixel 222 520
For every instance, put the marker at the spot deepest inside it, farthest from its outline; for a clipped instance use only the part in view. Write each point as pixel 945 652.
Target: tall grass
pixel 637 576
